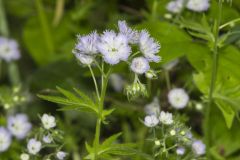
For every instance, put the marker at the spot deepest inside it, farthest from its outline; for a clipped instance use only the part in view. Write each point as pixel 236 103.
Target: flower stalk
pixel 213 80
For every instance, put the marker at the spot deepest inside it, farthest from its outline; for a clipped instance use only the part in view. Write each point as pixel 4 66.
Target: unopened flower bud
pixel 157 143
pixel 173 132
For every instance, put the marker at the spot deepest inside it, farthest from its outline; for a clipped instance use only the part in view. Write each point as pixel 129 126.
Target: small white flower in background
pixel 34 146
pixel 180 151
pixel 140 65
pixel 24 156
pixel 152 108
pixel 114 47
pixel 9 49
pixel 19 125
pixel 178 98
pixel 5 139
pixel 86 48
pixel 171 64
pixel 47 139
pixel 166 118
pixel 149 47
pixel 132 35
pixel 198 147
pixel 151 121
pixel 198 5
pixel 175 6
pixel 61 155
pixel 117 82
pixel 48 121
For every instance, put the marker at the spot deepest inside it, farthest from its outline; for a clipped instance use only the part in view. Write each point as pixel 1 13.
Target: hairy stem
pixel 99 118
pixel 213 80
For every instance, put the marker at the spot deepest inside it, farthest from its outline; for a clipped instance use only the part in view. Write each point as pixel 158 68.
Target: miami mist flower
pixel 175 6
pixel 5 139
pixel 19 126
pixel 198 147
pixel 131 34
pixel 61 155
pixel 149 47
pixel 166 118
pixel 178 98
pixel 9 50
pixel 86 48
pixel 34 146
pixel 140 65
pixel 48 121
pixel 151 121
pixel 198 5
pixel 114 47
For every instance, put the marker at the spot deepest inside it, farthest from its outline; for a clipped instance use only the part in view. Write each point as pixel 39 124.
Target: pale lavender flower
pixel 175 6
pixel 114 47
pixel 34 146
pixel 198 5
pixel 19 126
pixel 47 139
pixel 149 47
pixel 151 121
pixel 86 48
pixel 85 59
pixel 61 155
pixel 131 34
pixel 5 139
pixel 198 147
pixel 9 49
pixel 180 151
pixel 140 65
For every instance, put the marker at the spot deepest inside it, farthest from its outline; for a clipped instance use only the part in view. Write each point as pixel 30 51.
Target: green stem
pixel 13 74
pixel 58 12
pixel 167 77
pixel 3 23
pixel 99 118
pixel 229 23
pixel 44 26
pixel 213 80
pixel 154 9
pixel 95 82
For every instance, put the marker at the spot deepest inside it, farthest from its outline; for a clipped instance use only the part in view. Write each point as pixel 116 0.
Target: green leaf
pixel 227 112
pixel 108 142
pixel 83 102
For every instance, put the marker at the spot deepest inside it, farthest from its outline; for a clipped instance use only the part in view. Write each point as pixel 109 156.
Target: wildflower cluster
pixel 46 137
pixel 15 96
pixel 176 6
pixel 17 126
pixel 115 47
pixel 171 138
